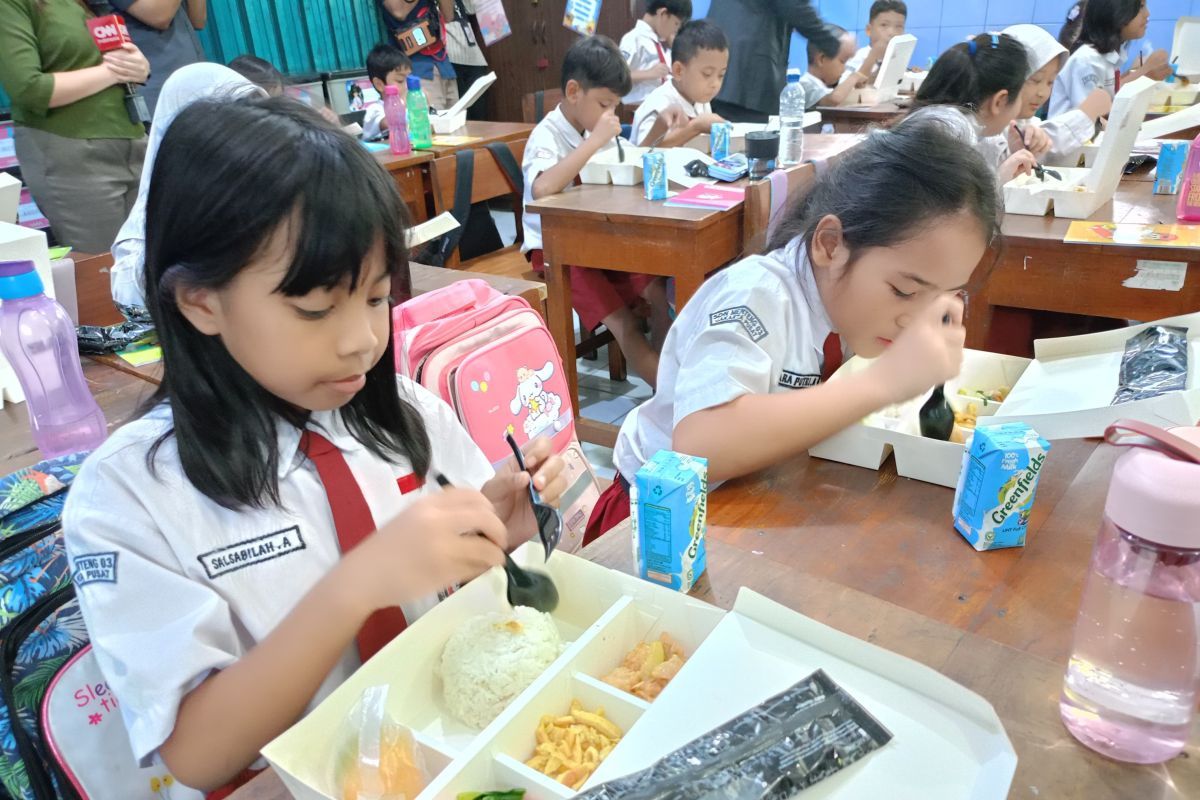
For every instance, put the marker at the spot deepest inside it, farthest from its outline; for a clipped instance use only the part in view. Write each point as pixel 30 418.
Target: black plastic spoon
pixel 525 587
pixel 936 416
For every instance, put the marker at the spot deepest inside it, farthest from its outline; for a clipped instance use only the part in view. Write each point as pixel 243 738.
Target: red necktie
pixel 833 356
pixel 1117 86
pixel 662 56
pixel 353 521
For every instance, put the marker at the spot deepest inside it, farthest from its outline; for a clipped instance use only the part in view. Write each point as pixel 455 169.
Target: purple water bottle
pixel 1130 689
pixel 38 338
pixel 397 121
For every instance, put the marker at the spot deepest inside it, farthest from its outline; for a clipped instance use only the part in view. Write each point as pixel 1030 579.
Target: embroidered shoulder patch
pixel 742 315
pixel 794 380
pixel 94 568
pixel 240 555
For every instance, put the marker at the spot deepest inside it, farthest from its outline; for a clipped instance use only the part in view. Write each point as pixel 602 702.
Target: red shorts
pixel 596 293
pixel 241 780
pixel 611 510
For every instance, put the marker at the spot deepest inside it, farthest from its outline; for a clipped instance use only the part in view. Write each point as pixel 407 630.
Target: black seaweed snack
pixel 785 744
pixel 1155 362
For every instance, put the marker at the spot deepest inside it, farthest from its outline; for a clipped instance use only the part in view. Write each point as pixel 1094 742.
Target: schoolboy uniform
pixel 594 293
pixel 641 50
pixel 372 124
pixel 659 101
pixel 174 586
pixel 858 59
pixel 1087 70
pixel 814 90
pixel 758 327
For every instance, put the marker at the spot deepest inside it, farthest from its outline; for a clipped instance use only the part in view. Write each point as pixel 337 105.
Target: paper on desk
pixel 677 158
pixel 427 231
pixel 453 141
pixel 139 355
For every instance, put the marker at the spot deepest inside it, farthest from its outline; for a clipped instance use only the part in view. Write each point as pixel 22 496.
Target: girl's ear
pixel 201 307
pixel 829 251
pixel 997 102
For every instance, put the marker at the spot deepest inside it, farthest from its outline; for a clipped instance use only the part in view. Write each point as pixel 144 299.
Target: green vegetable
pixel 511 794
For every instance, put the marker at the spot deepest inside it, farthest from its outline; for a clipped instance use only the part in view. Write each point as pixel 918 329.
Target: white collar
pixel 643 29
pixel 795 255
pixel 559 121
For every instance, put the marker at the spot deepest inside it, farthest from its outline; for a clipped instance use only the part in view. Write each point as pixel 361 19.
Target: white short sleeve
pixel 455 454
pixel 814 90
pixel 156 634
pixel 372 122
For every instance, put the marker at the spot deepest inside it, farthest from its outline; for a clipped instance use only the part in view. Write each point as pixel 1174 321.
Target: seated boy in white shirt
pixel 887 20
pixel 826 68
pixel 647 48
pixel 594 76
pixel 386 66
pixel 681 109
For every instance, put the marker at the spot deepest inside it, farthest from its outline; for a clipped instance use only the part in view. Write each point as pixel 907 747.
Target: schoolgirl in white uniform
pixel 271 507
pixel 742 378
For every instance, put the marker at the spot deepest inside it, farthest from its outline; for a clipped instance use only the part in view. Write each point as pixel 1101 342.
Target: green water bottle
pixel 418 115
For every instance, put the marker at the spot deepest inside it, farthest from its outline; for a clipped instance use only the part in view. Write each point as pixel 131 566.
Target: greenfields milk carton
pixel 669 510
pixel 997 485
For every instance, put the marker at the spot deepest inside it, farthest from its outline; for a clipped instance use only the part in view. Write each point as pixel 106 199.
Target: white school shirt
pixel 174 586
pixel 372 125
pixel 758 327
pixel 549 143
pixel 640 49
pixel 814 90
pixel 1086 71
pixel 659 101
pixel 966 128
pixel 1068 133
pixel 858 59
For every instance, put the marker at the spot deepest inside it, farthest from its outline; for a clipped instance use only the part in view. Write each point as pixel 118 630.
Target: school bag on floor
pixel 492 359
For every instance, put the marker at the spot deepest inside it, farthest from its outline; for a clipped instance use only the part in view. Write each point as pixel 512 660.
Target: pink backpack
pixel 492 359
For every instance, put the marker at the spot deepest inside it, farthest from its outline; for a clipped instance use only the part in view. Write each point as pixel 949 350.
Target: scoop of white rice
pixel 492 658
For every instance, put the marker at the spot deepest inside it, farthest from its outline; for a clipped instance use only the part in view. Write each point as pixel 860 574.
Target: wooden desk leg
pixel 978 320
pixel 559 320
pixel 685 287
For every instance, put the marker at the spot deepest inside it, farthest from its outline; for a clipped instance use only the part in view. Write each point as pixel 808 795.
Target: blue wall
pixel 938 24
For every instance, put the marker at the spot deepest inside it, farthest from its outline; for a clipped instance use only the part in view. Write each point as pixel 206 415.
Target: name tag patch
pixel 794 380
pixel 94 568
pixel 252 551
pixel 742 315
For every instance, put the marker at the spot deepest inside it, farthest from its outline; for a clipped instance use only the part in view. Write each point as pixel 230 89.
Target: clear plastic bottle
pixel 1130 689
pixel 38 338
pixel 791 121
pixel 418 115
pixel 397 121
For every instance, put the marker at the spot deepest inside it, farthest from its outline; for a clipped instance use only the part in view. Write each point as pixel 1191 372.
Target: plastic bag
pixel 379 759
pixel 1155 362
pixel 788 743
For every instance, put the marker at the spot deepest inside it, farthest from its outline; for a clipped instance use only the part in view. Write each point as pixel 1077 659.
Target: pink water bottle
pixel 397 121
pixel 1189 188
pixel 38 338
pixel 1131 685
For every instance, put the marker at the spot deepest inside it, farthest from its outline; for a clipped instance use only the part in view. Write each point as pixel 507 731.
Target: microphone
pixel 109 33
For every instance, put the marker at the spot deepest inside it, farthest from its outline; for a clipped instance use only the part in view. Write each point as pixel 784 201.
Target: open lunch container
pixel 948 742
pixel 1082 191
pixel 1063 393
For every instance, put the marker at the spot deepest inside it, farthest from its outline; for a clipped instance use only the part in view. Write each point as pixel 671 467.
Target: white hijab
pixel 1040 46
pixel 185 86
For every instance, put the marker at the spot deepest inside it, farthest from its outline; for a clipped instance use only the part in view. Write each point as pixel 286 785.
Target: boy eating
pixel 647 48
pixel 887 20
pixel 386 66
pixel 701 57
pixel 825 68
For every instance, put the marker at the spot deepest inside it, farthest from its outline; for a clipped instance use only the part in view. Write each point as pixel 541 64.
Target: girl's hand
pixel 1033 139
pixel 509 493
pixel 1019 163
pixel 1097 104
pixel 434 543
pixel 1158 65
pixel 927 352
pixel 127 65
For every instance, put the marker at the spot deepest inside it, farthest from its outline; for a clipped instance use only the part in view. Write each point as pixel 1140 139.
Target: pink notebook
pixel 720 198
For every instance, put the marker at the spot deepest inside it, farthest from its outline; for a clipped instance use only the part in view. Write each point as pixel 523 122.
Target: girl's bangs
pixel 347 206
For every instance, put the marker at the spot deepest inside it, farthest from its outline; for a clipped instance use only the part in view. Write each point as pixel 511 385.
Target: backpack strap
pixel 539 105
pixel 508 163
pixel 464 165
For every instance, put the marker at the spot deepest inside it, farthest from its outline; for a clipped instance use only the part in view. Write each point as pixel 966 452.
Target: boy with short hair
pixel 647 48
pixel 594 76
pixel 887 20
pixel 700 59
pixel 825 68
pixel 386 66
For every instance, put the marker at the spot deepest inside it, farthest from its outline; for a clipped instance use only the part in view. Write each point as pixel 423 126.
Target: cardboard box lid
pixel 1187 46
pixel 1066 391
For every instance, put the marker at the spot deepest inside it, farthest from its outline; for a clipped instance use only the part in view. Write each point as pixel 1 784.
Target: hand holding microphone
pixel 128 65
pixel 123 59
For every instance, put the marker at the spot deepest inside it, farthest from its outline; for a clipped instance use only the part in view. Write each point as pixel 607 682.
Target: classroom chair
pixel 535 105
pixel 766 201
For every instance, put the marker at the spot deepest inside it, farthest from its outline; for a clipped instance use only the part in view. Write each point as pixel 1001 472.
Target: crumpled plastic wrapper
pixel 788 743
pixel 96 340
pixel 1155 362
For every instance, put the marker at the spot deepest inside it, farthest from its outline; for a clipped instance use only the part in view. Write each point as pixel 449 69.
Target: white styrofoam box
pixel 1175 94
pixel 912 81
pixel 750 653
pixel 1186 46
pixel 22 244
pixel 891 75
pixel 10 198
pixel 63 271
pixel 449 120
pixel 1171 123
pixel 607 166
pixel 897 430
pixel 1067 391
pixel 1083 191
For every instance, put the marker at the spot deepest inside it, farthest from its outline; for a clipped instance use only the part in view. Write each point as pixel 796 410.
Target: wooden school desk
pixel 856 119
pixel 615 227
pixel 875 556
pixel 1036 270
pixel 411 172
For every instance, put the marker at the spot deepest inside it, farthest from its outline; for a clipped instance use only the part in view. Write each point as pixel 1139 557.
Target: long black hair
pixel 886 189
pixel 1069 33
pixel 970 72
pixel 1103 21
pixel 227 175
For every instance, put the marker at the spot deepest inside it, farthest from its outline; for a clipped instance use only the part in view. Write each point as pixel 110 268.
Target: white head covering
pixel 185 86
pixel 1040 46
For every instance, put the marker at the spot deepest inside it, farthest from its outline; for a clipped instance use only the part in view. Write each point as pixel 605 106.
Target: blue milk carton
pixel 997 485
pixel 654 176
pixel 718 139
pixel 669 510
